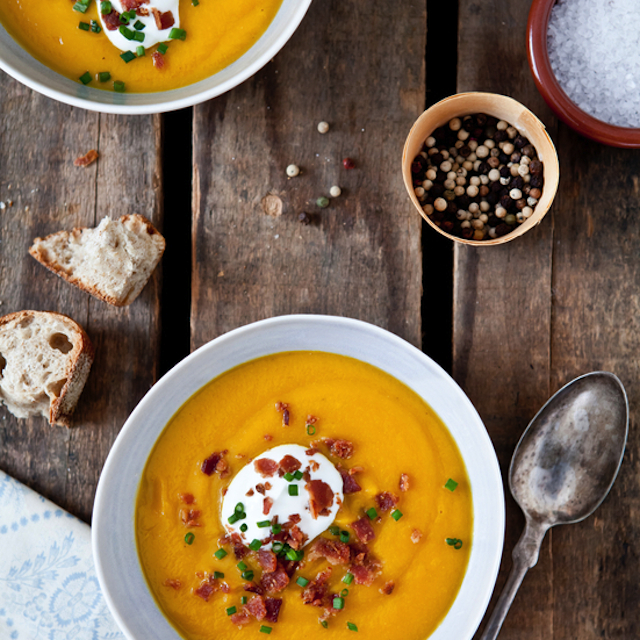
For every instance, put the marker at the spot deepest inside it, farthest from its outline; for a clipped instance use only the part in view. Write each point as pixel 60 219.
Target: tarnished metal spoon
pixel 563 468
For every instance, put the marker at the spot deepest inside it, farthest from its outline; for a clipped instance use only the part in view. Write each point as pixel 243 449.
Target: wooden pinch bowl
pixel 554 95
pixel 503 108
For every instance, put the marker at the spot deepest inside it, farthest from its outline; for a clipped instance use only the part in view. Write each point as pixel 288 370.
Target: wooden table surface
pixel 522 319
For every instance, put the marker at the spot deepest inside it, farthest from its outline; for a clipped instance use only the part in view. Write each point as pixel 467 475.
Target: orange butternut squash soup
pixel 301 492
pixel 161 44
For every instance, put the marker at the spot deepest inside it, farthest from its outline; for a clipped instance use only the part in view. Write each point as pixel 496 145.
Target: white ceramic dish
pixel 114 545
pixel 19 64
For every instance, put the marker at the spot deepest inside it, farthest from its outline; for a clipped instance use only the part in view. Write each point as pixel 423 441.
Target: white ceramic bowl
pixel 114 545
pixel 26 69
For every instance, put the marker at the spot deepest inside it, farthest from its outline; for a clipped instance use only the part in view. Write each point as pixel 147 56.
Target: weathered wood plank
pixel 39 139
pixel 361 256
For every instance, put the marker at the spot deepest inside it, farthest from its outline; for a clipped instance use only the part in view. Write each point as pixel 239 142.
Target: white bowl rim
pixel 467 611
pixel 169 105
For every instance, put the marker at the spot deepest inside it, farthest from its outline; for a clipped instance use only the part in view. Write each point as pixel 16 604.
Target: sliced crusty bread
pixel 45 359
pixel 111 262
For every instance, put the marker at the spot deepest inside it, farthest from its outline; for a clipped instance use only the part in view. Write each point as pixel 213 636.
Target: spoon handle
pixel 525 556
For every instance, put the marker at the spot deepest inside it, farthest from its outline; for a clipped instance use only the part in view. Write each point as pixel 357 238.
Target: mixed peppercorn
pixel 477 177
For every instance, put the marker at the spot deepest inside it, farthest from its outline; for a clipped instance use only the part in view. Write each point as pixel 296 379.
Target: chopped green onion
pixel 247 575
pixel 324 623
pixel 104 76
pixel 105 7
pixel 311 430
pixel 138 26
pixel 132 14
pixel 86 78
pixel 344 536
pixel 334 530
pixel 138 36
pixel 242 566
pixel 344 593
pixel 294 555
pixel 195 3
pixel 293 489
pixel 303 582
pixel 81 6
pixel 220 553
pixel 351 626
pixel 189 538
pixel 234 517
pixel 162 48
pixel 254 545
pixel 348 579
pixel 177 34
pixel 127 56
pixel 298 475
pixel 451 485
pixel 124 18
pixel 244 600
pixel 338 603
pixel 84 26
pixel 277 547
pixel 118 86
pixel 263 524
pixel 265 629
pixel 288 477
pixel 126 32
pixel 239 508
pixel 276 529
pixel 95 27
pixel 231 611
pixel 372 513
pixel 140 51
pixel 454 542
pixel 396 514
pixel 218 575
pixel 243 527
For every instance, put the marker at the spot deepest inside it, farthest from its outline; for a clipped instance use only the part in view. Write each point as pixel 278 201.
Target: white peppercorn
pixel 431 174
pixel 460 180
pixel 440 204
pixel 465 225
pixel 463 135
pixel 523 169
pixel 492 232
pixel 484 206
pixel 427 184
pixel 484 179
pixel 449 183
pixel 455 124
pixel 474 207
pixel 531 201
pixel 478 234
pixel 445 154
pixel 477 224
pixel 475 181
pixel 323 127
pixel 501 212
pixel 461 214
pixel 514 169
pixel 419 191
pixel 452 175
pixel 482 151
pixel 446 166
pixel 505 181
pixel 512 132
pixel 490 144
pixel 473 145
pixel 459 190
pixel 515 194
pixel 335 191
pixel 507 148
pixel 520 217
pixel 472 191
pixel 494 175
pixel 293 170
pixel 476 164
pixel 430 141
pixel 484 217
pixel 468 165
pixel 502 125
pixel 527 212
pixel 428 209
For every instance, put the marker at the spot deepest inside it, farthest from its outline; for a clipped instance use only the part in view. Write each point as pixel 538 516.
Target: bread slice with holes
pixel 112 262
pixel 45 359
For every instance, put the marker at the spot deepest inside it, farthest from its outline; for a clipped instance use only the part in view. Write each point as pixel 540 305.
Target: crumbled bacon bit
pixel 187 498
pixel 367 572
pixel 311 419
pixel 295 518
pixel 404 482
pixel 289 464
pixel 260 488
pixel 222 468
pixel 354 470
pixel 128 5
pixel 266 467
pixel 281 406
pixel 158 60
pixel 268 437
pixel 252 587
pixel 416 534
pixel 256 607
pixel 267 485
pixel 349 484
pixel 314 465
pixel 207 588
pixel 88 158
pixel 224 587
pixel 174 584
pixel 363 529
pixel 240 618
pixel 190 517
pixel 273 608
pixel 285 418
pixel 295 537
pixel 274 581
pixel 239 550
pixel 386 500
pixel 210 465
pixel 311 451
pixel 334 551
pixel 316 591
pixel 267 560
pixel 268 503
pixel 320 497
pixel 249 493
pixel 111 20
pixel 339 448
pixel 164 20
pixel 388 588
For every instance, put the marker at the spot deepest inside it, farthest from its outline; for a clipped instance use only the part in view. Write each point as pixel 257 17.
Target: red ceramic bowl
pixel 555 96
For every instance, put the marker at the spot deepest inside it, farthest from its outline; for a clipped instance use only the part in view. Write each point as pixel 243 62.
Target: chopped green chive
pixel 311 430
pixel 293 489
pixel 132 14
pixel 218 575
pixel 162 47
pixel 104 76
pixel 263 524
pixel 247 575
pixel 95 27
pixel 244 600
pixel 254 545
pixel 126 32
pixel 372 513
pixel 276 529
pixel 234 517
pixel 344 593
pixel 189 538
pixel 348 579
pixel 239 508
pixel 231 611
pixel 454 542
pixel 294 555
pixel 138 26
pixel 242 566
pixel 277 547
pixel 396 514
pixel 334 530
pixel 119 87
pixel 338 603
pixel 86 78
pixel 220 553
pixel 324 623
pixel 128 56
pixel 81 6
pixel 451 485
pixel 138 36
pixel 195 3
pixel 298 475
pixel 105 7
pixel 303 582
pixel 140 51
pixel 351 626
pixel 84 26
pixel 265 629
pixel 243 527
pixel 124 18
pixel 177 34
pixel 344 536
pixel 288 477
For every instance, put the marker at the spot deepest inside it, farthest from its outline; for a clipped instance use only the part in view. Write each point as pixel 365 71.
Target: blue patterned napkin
pixel 48 584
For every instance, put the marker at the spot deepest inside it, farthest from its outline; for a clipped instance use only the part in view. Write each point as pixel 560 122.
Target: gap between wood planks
pixel 437 252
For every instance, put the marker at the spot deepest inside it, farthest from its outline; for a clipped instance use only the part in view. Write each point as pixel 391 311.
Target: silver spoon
pixel 563 468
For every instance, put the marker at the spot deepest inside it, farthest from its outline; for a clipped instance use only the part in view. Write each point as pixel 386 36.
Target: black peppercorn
pixel 520 141
pixel 505 172
pixel 483 167
pixel 529 151
pixel 516 183
pixel 503 157
pixel 467 233
pixel 500 136
pixel 515 157
pixel 481 119
pixel 535 166
pixel 536 180
pixel 502 229
pixel 464 201
pixel 506 202
pixel 447 226
pixel 464 151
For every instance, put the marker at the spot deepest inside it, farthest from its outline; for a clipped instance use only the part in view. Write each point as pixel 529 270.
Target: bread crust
pixel 80 359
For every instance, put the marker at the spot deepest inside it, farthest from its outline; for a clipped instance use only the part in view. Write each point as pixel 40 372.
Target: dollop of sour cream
pixel 247 488
pixel 152 34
